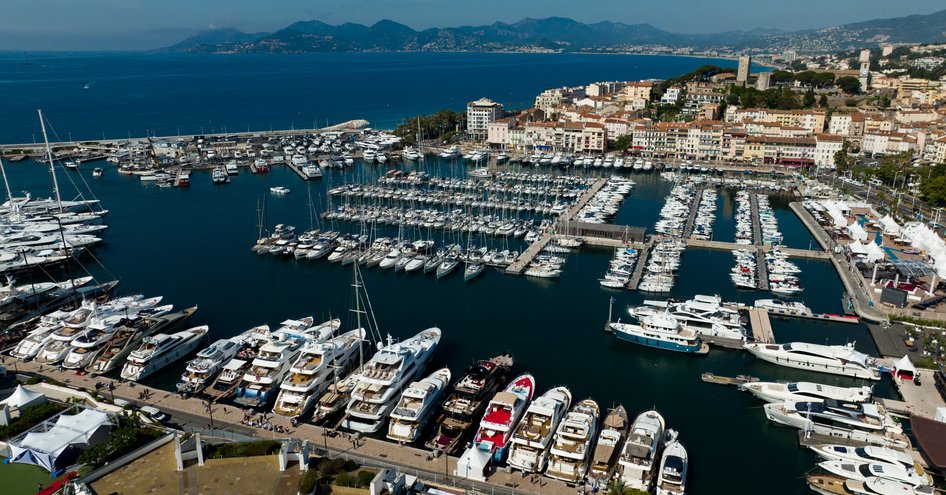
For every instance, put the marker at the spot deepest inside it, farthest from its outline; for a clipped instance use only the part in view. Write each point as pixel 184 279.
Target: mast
pixel 49 156
pixel 6 184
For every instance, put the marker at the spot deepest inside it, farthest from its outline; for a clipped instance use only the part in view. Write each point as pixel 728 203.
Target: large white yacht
pixel 501 417
pixel 275 357
pixel 660 331
pixel 783 307
pixel 416 406
pixel 382 378
pixel 805 391
pixel 84 348
pixel 707 315
pixel 208 362
pixel 832 484
pixel 639 456
pixel 314 371
pixel 834 359
pixel 610 440
pixel 571 449
pixel 869 453
pixel 672 476
pixel 129 336
pixel 861 471
pixel 866 422
pixel 532 438
pixel 158 351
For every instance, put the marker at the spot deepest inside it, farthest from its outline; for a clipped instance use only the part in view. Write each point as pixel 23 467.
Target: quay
pixel 727 380
pixel 528 255
pixel 225 421
pixel 853 284
pixel 761 326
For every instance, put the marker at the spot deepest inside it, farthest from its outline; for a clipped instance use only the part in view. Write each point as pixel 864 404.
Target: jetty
pixel 524 259
pixel 761 326
pixel 762 281
pixel 738 380
pixel 640 265
pixel 765 248
pixel 756 224
pixel 297 169
pixel 694 209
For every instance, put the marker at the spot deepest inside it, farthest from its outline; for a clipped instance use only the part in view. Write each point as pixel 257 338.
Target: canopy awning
pixel 473 463
pixel 23 398
pixel 904 369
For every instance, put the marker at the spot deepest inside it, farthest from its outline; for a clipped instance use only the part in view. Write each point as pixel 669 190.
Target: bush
pixel 331 467
pixel 124 439
pixel 34 380
pixel 925 363
pixel 363 478
pixel 244 449
pixel 308 481
pixel 84 470
pixel 29 418
pixel 345 479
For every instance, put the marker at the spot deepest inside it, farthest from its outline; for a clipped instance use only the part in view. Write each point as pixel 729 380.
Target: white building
pixel 479 114
pixel 671 96
pixel 826 146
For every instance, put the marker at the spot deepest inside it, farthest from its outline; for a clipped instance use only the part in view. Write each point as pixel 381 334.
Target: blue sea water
pixel 167 94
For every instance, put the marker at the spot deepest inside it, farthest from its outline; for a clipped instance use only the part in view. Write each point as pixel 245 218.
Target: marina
pixel 527 290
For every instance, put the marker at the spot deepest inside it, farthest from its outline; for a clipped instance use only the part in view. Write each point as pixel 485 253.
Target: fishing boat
pixel 608 448
pixel 533 437
pixel 416 406
pixel 638 459
pixel 833 359
pixel 313 372
pixel 571 449
pixel 160 350
pixel 660 331
pixel 383 377
pixel 672 476
pixel 467 400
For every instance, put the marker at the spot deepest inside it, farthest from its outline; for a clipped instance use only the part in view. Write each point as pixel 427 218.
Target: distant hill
pixel 554 33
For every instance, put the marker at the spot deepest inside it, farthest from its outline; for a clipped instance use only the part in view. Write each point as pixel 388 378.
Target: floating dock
pixel 756 224
pixel 762 280
pixel 728 380
pixel 694 209
pixel 761 326
pixel 729 246
pixel 297 169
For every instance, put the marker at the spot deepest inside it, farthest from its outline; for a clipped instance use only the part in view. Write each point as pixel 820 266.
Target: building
pixel 479 114
pixel 789 56
pixel 671 96
pixel 604 88
pixel 781 150
pixel 826 146
pixel 636 90
pixel 763 81
pixel 742 72
pixel 864 74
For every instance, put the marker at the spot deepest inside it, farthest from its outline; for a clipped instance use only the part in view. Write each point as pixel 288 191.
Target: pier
pixel 762 281
pixel 729 246
pixel 297 169
pixel 694 209
pixel 761 326
pixel 756 225
pixel 528 255
pixel 640 265
pixel 728 380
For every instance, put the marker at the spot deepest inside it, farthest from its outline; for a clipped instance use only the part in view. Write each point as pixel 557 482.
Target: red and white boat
pixel 503 414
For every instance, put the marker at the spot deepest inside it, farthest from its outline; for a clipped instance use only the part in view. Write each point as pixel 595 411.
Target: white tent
pixel 473 463
pixel 874 252
pixel 890 225
pixel 857 232
pixel 904 369
pixel 23 398
pixel 924 238
pixel 43 448
pixel 857 247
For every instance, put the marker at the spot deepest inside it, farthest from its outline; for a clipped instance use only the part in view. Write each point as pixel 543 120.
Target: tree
pixel 840 161
pixel 823 101
pixel 850 102
pixel 623 142
pixel 885 102
pixel 934 190
pixel 809 99
pixel 849 84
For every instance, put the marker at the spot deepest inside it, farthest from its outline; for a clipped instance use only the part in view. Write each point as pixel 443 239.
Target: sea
pixel 192 245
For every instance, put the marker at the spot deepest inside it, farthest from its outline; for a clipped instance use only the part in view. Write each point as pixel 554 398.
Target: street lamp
pixel 208 405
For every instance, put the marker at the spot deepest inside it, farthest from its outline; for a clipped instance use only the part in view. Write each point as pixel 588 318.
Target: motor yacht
pixel 533 437
pixel 160 350
pixel 416 406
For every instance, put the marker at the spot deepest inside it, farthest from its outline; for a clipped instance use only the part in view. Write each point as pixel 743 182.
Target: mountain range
pixel 556 34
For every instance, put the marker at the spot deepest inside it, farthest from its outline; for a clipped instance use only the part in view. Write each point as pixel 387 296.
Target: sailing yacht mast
pixel 6 184
pixel 49 156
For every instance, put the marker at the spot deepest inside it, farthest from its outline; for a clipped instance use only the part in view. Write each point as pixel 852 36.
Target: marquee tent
pixel 43 446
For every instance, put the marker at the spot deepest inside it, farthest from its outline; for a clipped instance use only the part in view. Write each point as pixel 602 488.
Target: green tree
pixel 809 99
pixel 623 142
pixel 823 101
pixel 934 190
pixel 849 84
pixel 840 161
pixel 885 102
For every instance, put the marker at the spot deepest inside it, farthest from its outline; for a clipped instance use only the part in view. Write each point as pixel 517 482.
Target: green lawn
pixel 21 479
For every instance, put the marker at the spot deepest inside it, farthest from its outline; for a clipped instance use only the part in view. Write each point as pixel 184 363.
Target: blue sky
pixel 143 24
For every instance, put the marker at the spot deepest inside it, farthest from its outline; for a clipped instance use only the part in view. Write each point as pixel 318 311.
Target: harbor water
pixel 192 246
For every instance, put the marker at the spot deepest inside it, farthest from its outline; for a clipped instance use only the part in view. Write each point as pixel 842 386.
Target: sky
pixel 145 24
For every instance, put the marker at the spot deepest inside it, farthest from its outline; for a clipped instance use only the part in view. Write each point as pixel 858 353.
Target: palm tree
pixel 616 487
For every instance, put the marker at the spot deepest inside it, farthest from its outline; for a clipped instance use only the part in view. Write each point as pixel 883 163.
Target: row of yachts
pixel 378 197
pixel 496 182
pixel 705 216
pixel 457 220
pixel 605 203
pixel 879 465
pixel 664 257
